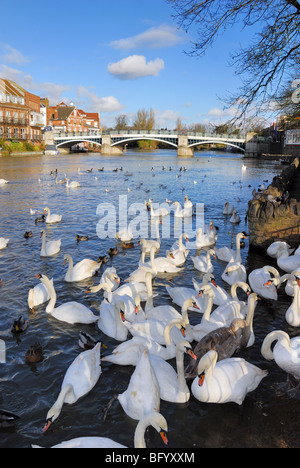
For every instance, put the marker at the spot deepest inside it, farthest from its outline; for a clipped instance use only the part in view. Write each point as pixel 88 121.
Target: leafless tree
pixel 272 53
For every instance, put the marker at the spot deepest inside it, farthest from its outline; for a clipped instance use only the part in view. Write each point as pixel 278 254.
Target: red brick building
pixel 64 118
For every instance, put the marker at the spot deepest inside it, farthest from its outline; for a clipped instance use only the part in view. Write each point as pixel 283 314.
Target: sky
pixel 117 58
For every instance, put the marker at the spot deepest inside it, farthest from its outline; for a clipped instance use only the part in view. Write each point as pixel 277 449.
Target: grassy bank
pixel 12 147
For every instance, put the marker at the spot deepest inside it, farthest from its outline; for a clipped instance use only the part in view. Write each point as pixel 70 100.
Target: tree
pixel 144 120
pixel 272 52
pixel 121 122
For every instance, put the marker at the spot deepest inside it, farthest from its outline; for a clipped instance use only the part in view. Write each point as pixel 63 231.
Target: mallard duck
pixel 19 325
pixel 112 251
pixel 28 234
pixel 82 238
pixel 103 259
pixel 86 341
pixel 127 245
pixel 40 219
pixel 35 353
pixel 7 418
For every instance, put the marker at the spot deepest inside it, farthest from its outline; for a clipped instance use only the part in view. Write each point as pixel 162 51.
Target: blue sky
pixel 116 58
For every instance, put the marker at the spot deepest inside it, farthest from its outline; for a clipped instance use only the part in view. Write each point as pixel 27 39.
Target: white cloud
pixel 154 38
pixel 135 66
pixel 95 103
pixel 12 55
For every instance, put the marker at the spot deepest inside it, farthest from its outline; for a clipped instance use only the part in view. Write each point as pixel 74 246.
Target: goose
pixel 161 211
pixel 110 321
pixel 38 295
pixel 51 218
pixel 142 395
pixel 228 210
pixel 292 315
pixel 3 242
pixel 3 181
pixel 49 248
pixel 128 352
pixel 264 281
pixel 225 381
pixel 181 212
pixel 73 184
pixel 226 254
pixel 287 262
pixel 172 384
pixel 69 312
pixel 234 272
pixel 80 378
pixel 154 419
pixel 84 269
pixel 235 218
pixel 286 352
pixel 203 262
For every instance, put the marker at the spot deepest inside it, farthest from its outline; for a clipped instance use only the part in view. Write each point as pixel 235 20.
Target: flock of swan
pixel 148 334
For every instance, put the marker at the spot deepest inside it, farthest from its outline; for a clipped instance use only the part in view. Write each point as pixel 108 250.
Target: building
pixel 64 118
pixel 20 116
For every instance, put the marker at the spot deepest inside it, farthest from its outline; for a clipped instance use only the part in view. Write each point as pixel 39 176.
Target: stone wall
pixel 273 214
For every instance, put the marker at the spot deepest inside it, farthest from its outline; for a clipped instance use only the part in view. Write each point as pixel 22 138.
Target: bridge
pixel 113 142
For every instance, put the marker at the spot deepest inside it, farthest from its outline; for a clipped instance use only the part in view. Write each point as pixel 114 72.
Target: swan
pixel 227 255
pixel 128 352
pixel 154 419
pixel 225 381
pixel 203 262
pixel 70 312
pixel 204 239
pixel 3 242
pixel 179 294
pixel 142 395
pixel 80 378
pixel 166 313
pixel 286 352
pixel 177 257
pixel 125 235
pixel 61 181
pixel 161 211
pixel 181 212
pixel 38 295
pixel 263 283
pixel 3 181
pixel 73 184
pixel 235 218
pixel 110 321
pixel 111 277
pixel 49 248
pixel 292 315
pixel 234 308
pixel 139 275
pixel 179 245
pixel 188 206
pixel 234 272
pixel 228 210
pixel 287 262
pixel 220 295
pixel 52 218
pixel 84 269
pixel 273 249
pixel 172 384
pixel 147 244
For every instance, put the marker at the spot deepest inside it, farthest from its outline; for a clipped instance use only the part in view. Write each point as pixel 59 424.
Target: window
pixel 16 133
pixel 23 133
pixel 15 100
pixel 22 101
pixel 7 98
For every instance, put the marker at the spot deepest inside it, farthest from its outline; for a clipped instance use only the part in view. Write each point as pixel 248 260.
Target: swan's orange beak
pixel 136 310
pixel 122 316
pixel 199 294
pixel 201 379
pixel 47 425
pixel 214 283
pixel 117 280
pixel 298 281
pixel 182 329
pixel 268 283
pixel 192 354
pixel 164 437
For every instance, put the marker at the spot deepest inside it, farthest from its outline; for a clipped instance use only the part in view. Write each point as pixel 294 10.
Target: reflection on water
pixel 30 390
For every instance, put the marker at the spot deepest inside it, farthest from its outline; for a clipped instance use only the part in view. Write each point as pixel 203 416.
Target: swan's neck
pixel 157 229
pixel 250 314
pixel 209 306
pixel 56 408
pixel 70 267
pixel 52 293
pixel 100 286
pixel 238 257
pixel 180 370
pixel 44 242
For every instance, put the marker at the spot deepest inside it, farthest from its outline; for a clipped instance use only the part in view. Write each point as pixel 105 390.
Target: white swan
pixel 3 181
pixel 286 352
pixel 179 245
pixel 220 295
pixel 110 321
pixel 287 262
pixel 147 244
pixel 49 248
pixel 181 212
pixel 234 272
pixel 273 249
pixel 161 211
pixel 235 218
pixel 177 257
pixel 228 210
pixel 172 384
pixel 3 242
pixel 38 295
pixel 292 315
pixel 70 312
pixel 84 269
pixel 203 262
pixel 80 378
pixel 51 218
pixel 188 206
pixel 125 235
pixel 154 419
pixel 142 395
pixel 73 184
pixel 226 254
pixel 264 281
pixel 111 277
pixel 179 294
pixel 225 381
pixel 204 239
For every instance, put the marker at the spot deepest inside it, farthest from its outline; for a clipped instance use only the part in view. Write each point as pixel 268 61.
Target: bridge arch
pixel 225 143
pixel 122 142
pixel 69 143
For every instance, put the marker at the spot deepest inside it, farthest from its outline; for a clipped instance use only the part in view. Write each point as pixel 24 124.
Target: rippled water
pixel 268 418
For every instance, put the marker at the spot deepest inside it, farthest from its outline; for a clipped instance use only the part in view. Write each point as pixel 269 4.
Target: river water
pixel 270 417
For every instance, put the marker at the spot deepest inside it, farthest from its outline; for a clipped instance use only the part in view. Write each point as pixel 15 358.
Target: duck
pixel 73 184
pixel 203 262
pixel 35 353
pixel 38 295
pixel 292 315
pixel 227 254
pixel 82 238
pixel 3 242
pixel 287 262
pixel 19 325
pixel 110 321
pixel 285 353
pixel 86 341
pixel 112 251
pixel 156 420
pixel 264 281
pixel 84 269
pixel 49 248
pixel 234 272
pixel 228 210
pixel 28 235
pixel 69 312
pixel 7 418
pixel 80 378
pixel 51 218
pixel 235 218
pixel 229 380
pixel 128 352
pixel 40 219
pixel 142 395
pixel 172 384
